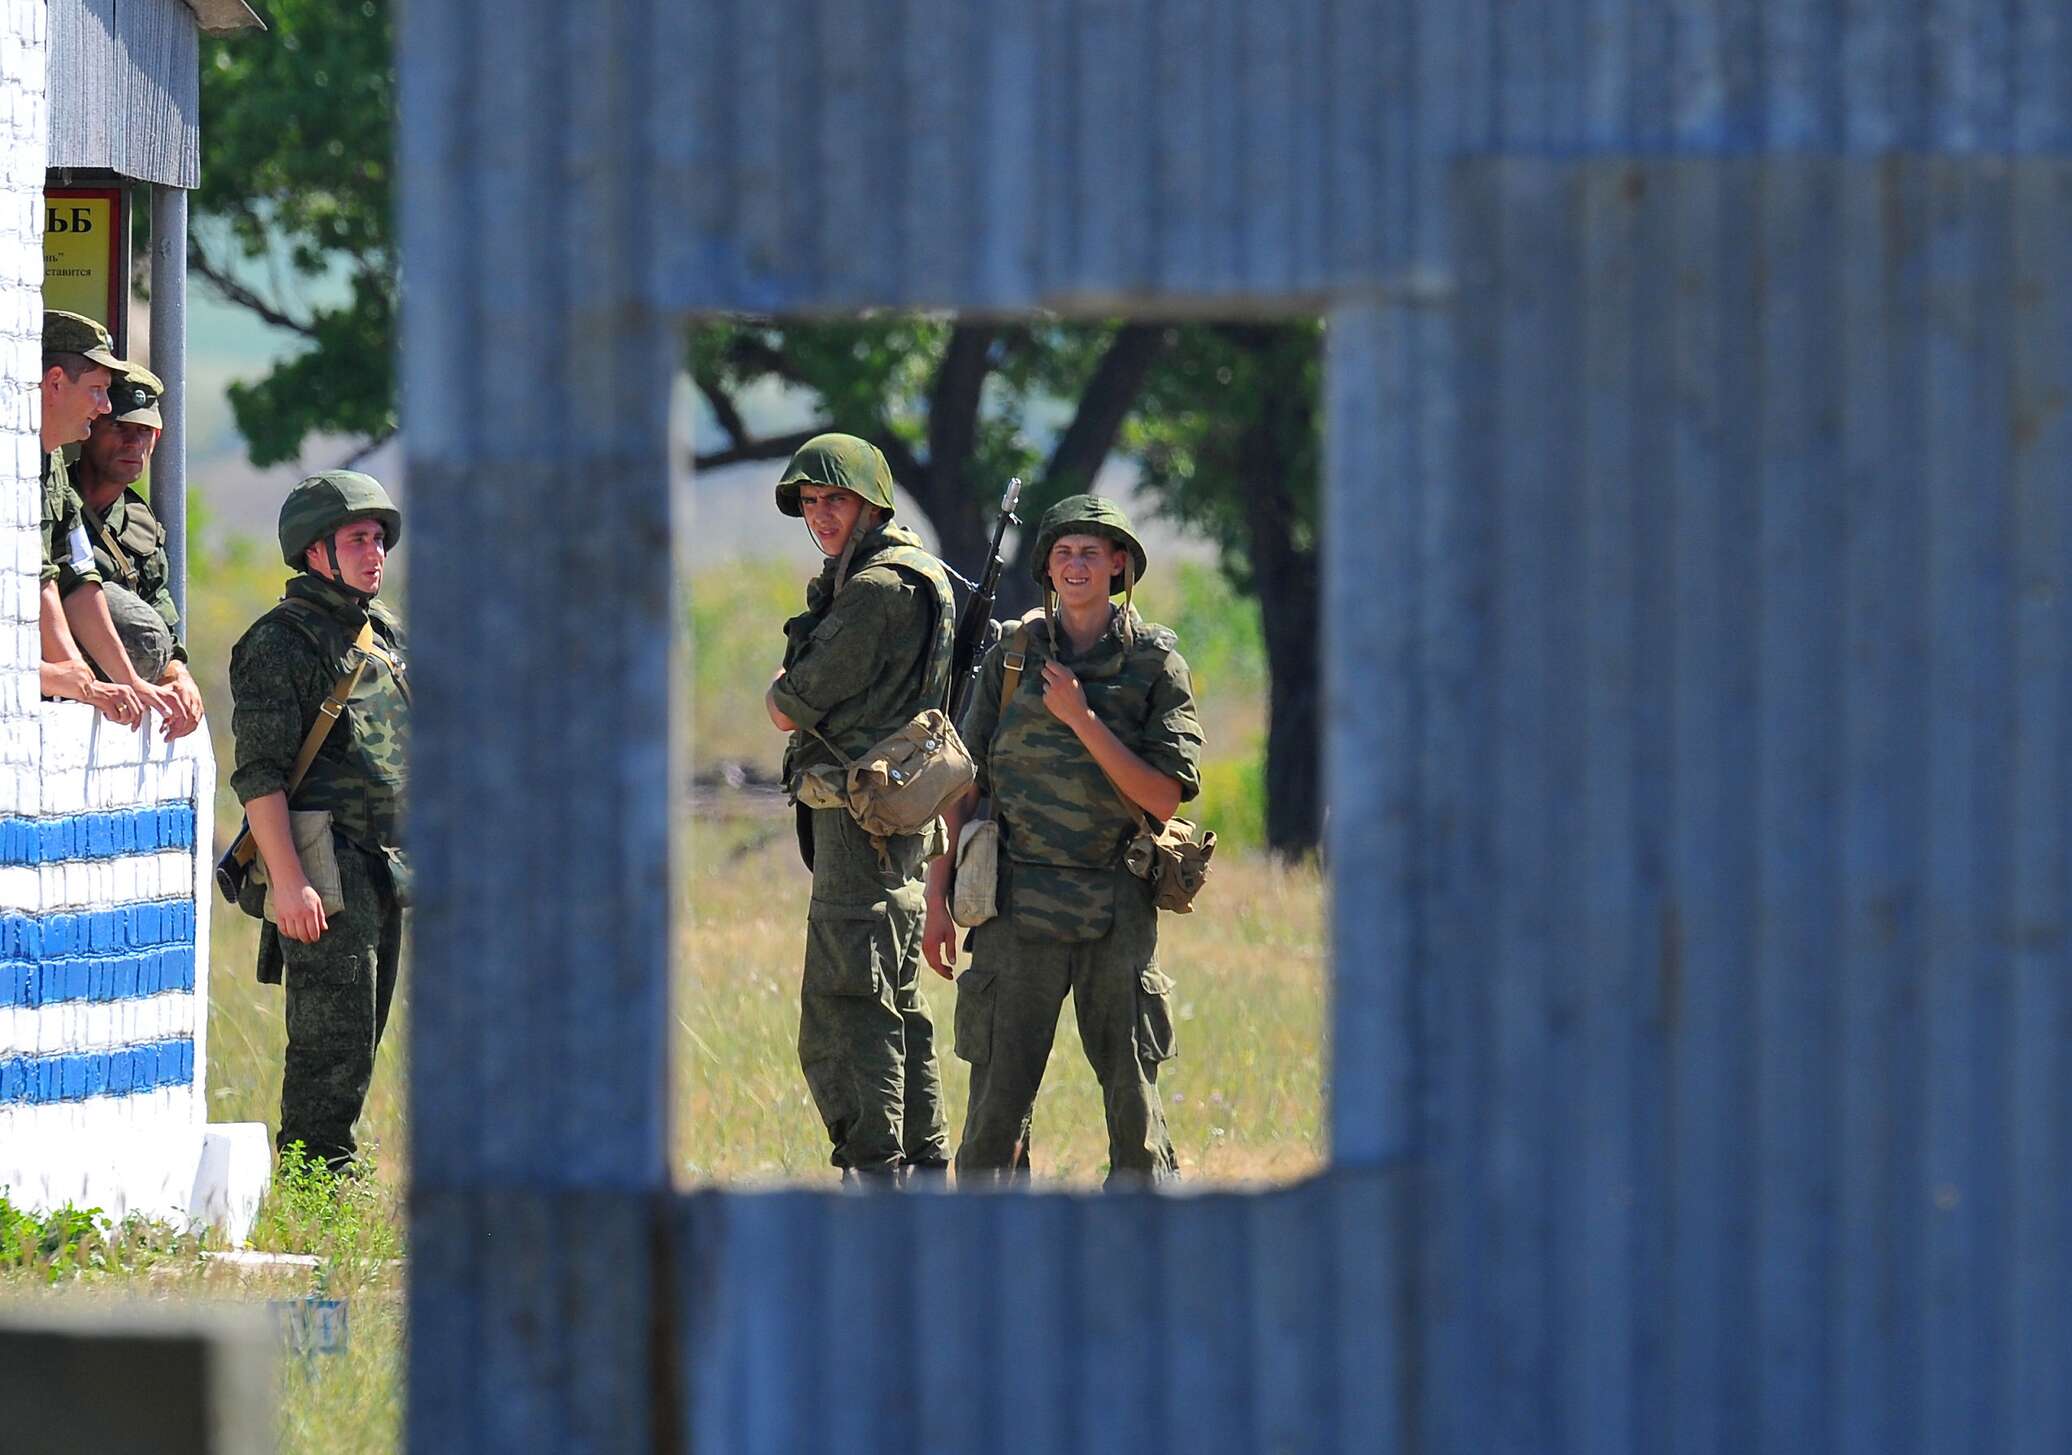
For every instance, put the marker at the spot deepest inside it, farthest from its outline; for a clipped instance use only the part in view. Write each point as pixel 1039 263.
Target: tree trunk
pixel 1285 579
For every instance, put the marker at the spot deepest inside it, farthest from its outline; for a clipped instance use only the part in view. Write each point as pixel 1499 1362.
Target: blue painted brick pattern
pixel 152 829
pixel 100 932
pixel 78 1075
pixel 123 977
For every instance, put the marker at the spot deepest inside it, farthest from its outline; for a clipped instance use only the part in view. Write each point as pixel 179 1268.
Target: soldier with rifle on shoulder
pixel 869 655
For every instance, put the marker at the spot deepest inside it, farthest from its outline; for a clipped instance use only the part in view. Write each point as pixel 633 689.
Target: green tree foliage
pixel 292 219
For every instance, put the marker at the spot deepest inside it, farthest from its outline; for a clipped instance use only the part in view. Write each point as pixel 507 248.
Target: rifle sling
pixel 328 711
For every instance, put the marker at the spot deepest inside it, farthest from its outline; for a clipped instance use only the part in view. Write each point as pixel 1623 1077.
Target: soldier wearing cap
pixel 1103 707
pixel 79 364
pixel 128 542
pixel 871 649
pixel 336 945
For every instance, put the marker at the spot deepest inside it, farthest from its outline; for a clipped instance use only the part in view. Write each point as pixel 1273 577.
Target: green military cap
pixel 133 397
pixel 75 333
pixel 841 460
pixel 1085 515
pixel 322 503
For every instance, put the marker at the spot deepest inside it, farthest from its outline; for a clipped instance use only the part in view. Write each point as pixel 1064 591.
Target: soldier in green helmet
pixel 335 941
pixel 1101 708
pixel 871 649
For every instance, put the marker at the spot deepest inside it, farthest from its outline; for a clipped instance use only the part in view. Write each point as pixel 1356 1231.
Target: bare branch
pixel 777 447
pixel 368 447
pixel 723 410
pixel 233 291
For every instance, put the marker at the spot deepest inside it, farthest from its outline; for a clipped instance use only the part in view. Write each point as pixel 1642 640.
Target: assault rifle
pixel 975 626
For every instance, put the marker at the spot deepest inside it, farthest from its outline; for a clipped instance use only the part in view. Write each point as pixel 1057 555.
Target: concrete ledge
pixel 213 1176
pixel 137 1379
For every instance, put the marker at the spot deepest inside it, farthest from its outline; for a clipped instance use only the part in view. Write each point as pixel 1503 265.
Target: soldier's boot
pixel 873 1179
pixel 927 1174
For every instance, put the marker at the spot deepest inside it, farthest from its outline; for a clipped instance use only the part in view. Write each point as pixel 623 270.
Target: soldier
pixel 79 364
pixel 871 649
pixel 1101 707
pixel 128 543
pixel 338 958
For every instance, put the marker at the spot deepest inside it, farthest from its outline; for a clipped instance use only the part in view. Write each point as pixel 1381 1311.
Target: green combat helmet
pixel 841 460
pixel 1087 515
pixel 322 503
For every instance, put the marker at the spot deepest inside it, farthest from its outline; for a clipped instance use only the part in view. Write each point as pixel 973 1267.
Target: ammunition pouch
pixel 1173 858
pixel 901 784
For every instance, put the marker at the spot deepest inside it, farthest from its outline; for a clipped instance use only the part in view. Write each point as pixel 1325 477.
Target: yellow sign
pixel 82 253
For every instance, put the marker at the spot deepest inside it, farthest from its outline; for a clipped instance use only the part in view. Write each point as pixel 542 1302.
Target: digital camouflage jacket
pixel 1054 804
pixel 129 549
pixel 68 557
pixel 860 663
pixel 281 670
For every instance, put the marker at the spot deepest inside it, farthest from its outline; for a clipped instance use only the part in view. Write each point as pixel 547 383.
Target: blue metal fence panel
pixel 1700 637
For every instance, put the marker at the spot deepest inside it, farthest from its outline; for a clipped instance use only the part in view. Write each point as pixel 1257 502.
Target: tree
pixel 1227 432
pixel 946 400
pixel 292 218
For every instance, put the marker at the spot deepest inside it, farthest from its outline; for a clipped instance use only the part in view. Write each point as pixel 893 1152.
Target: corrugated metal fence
pixel 1698 555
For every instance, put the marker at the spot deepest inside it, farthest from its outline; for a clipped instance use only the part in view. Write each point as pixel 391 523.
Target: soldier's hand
pixel 165 702
pixel 187 700
pixel 115 702
pixel 299 913
pixel 1063 695
pixel 939 938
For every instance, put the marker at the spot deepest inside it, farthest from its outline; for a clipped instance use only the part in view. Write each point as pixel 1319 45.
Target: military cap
pixel 75 333
pixel 840 460
pixel 1085 515
pixel 133 397
pixel 320 504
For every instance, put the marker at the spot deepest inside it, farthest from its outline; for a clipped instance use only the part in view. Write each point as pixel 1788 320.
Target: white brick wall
pixel 105 839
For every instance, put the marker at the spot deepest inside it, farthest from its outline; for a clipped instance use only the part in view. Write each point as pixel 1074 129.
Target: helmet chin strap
pixel 865 519
pixel 365 598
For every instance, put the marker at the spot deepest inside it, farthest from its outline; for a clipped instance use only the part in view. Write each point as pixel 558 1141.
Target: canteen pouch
pixel 975 888
pixel 1174 861
pixel 903 781
pixel 318 851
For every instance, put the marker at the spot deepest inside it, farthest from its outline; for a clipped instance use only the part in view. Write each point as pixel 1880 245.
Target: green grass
pixel 1244 1097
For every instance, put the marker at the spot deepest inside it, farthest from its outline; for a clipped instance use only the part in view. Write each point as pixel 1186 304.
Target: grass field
pixel 1244 1096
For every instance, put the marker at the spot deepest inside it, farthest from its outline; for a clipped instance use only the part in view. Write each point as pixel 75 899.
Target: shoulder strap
pixel 328 712
pixel 123 565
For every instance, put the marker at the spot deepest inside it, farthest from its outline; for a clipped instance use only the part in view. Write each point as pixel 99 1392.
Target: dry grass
pixel 1244 1097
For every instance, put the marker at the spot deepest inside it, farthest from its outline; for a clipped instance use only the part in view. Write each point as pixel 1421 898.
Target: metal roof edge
pixel 217 16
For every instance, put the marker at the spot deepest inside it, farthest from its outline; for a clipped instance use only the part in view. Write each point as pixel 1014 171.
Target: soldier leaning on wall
pixel 128 543
pixel 79 364
pixel 871 649
pixel 332 881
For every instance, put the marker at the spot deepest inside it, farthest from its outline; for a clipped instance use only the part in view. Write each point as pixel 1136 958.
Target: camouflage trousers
pixel 1007 1018
pixel 338 994
pixel 866 1043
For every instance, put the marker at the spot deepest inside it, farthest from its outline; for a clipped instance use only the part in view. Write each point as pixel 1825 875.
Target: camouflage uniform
pixel 339 988
pixel 136 582
pixel 68 557
pixel 858 664
pixel 1072 919
pixel 128 546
